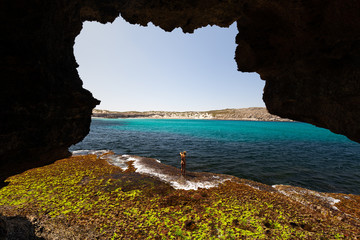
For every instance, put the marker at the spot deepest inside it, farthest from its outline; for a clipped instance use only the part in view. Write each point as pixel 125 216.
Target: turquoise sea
pixel 291 153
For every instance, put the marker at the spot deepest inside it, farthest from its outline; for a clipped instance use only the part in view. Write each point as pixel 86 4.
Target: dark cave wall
pixel 309 55
pixel 307 51
pixel 44 108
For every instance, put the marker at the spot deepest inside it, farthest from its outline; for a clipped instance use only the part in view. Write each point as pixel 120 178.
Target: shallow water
pixel 269 152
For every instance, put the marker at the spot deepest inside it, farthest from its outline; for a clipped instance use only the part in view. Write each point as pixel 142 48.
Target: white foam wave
pixel 292 192
pixel 116 161
pixel 191 185
pixel 87 152
pixel 119 161
pixel 176 182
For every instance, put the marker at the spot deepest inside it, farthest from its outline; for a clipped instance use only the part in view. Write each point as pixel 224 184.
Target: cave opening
pixel 156 70
pixel 134 68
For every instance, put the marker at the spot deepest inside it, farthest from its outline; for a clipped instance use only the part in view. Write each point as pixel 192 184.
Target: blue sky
pixel 130 67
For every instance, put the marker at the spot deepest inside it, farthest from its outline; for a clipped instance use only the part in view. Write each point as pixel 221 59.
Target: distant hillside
pixel 249 114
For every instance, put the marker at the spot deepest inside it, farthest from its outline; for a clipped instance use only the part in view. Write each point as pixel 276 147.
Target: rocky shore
pixel 85 197
pixel 246 114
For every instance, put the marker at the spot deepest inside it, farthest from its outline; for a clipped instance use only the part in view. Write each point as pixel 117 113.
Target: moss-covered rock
pixel 84 197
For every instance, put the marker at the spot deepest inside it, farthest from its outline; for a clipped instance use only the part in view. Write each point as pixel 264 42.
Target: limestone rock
pixel 249 114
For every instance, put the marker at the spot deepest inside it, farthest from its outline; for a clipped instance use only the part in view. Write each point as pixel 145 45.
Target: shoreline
pixel 155 168
pixel 242 114
pixel 212 119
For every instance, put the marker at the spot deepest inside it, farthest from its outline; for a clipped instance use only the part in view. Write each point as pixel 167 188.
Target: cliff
pixel 248 114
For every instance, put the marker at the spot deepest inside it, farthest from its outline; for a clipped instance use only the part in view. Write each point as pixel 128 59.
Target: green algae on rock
pixel 87 198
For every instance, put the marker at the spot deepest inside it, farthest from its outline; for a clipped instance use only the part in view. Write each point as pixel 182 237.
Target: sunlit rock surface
pixel 247 114
pixel 308 53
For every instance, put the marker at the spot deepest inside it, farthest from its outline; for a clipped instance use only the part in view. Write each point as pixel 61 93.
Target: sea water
pixel 290 153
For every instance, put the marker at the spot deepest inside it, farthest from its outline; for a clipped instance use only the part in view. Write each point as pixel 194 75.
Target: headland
pixel 245 114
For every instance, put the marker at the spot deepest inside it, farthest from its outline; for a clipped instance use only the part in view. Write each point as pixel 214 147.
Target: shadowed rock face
pixel 307 51
pixel 44 108
pixel 309 55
